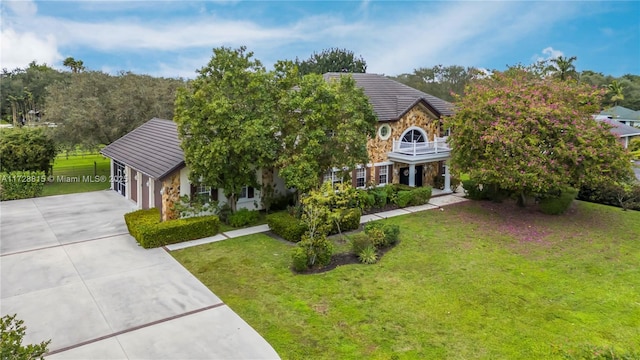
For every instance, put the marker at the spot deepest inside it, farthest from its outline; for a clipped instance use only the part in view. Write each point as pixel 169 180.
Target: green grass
pixel 69 174
pixel 476 281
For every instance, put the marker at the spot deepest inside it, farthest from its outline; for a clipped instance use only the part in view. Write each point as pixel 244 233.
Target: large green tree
pixel 323 124
pixel 534 135
pixel 227 123
pixel 95 108
pixel 332 60
pixel 23 92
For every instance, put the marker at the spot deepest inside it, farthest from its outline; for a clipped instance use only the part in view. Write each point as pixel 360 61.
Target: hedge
pixel 286 226
pixel 145 226
pixel 21 184
pixel 413 197
pixel 555 205
pixel 607 194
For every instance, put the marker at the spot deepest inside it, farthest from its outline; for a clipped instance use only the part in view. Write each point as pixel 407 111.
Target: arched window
pixel 414 135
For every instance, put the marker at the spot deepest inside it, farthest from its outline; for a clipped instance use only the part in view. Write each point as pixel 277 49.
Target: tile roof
pixel 619 128
pixel 621 112
pixel 152 148
pixel 391 99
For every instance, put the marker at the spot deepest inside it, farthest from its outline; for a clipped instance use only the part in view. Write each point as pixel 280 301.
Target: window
pixel 413 135
pixel 383 174
pixel 203 190
pixel 246 193
pixel 332 176
pixel 361 177
pixel 384 131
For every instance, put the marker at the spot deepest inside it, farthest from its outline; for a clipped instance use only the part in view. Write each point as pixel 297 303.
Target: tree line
pixel 446 82
pixel 91 108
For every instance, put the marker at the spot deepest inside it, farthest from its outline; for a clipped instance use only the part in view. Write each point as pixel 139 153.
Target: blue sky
pixel 174 38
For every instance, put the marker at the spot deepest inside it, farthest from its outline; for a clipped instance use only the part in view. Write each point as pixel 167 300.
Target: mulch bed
pixel 342 259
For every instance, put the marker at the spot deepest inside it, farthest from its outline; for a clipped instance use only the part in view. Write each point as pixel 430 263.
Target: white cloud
pixel 19 8
pixel 548 53
pixel 434 33
pixel 19 49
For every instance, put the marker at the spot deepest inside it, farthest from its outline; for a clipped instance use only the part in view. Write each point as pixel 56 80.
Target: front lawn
pixel 477 280
pixel 78 173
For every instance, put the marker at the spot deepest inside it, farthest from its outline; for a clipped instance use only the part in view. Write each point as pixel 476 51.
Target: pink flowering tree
pixel 530 135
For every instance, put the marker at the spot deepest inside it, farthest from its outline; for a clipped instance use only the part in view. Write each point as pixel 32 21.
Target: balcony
pixel 415 152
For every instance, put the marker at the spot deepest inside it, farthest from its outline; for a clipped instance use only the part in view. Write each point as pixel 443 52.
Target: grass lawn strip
pixel 462 283
pixel 69 173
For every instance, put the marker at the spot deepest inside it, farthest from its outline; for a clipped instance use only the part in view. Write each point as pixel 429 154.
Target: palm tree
pixel 75 65
pixel 563 67
pixel 615 90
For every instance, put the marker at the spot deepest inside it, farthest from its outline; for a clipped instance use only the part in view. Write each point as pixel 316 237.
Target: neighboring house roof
pixel 619 128
pixel 153 148
pixel 391 99
pixel 621 112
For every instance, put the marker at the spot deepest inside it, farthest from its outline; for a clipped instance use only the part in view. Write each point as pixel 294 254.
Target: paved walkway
pixel 71 271
pixel 434 203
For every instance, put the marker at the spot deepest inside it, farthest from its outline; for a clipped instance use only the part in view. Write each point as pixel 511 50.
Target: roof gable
pixel 391 99
pixel 153 148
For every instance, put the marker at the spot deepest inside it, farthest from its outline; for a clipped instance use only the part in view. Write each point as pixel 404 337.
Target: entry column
pixel 447 177
pixel 412 175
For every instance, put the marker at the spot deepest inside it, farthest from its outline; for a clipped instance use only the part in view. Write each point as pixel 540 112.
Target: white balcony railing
pixel 438 145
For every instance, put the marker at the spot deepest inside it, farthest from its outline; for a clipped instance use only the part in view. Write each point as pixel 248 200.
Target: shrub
pixel 401 187
pixel 476 191
pixel 634 145
pixel 146 228
pixel 316 252
pixel 137 220
pixel 558 204
pixel 391 232
pixel 376 235
pixel 610 194
pixel 350 220
pixel 286 226
pixel 366 199
pixel 403 198
pixel 455 182
pixel 300 259
pixel 420 195
pixel 359 242
pixel 368 255
pixel 243 217
pixel 26 149
pixel 279 202
pixel 21 184
pixel 380 197
pixel 12 332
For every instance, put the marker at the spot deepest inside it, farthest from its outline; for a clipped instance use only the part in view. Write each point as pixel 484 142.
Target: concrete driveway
pixel 72 272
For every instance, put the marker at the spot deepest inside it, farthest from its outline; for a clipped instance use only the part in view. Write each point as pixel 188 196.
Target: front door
pixel 404 176
pixel 118 178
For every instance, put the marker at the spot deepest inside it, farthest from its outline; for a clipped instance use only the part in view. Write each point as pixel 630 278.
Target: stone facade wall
pixel 170 196
pixel 418 116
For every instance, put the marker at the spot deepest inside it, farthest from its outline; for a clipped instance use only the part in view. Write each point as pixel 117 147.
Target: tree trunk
pixel 521 200
pixel 232 200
